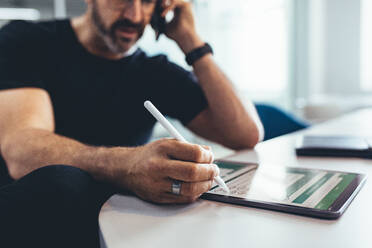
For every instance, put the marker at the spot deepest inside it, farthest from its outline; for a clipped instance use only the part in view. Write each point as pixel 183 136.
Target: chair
pixel 277 122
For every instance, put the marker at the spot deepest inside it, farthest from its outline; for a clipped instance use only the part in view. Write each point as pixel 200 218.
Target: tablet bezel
pixel 337 208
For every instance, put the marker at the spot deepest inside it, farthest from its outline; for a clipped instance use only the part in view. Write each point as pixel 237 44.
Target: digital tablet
pixel 334 146
pixel 317 193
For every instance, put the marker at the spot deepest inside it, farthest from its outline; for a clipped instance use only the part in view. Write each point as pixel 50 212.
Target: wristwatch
pixel 197 53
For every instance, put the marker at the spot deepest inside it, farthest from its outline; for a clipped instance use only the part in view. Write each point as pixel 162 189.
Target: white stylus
pixel 172 131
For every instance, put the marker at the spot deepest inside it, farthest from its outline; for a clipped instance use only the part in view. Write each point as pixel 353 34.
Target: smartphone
pixel 158 22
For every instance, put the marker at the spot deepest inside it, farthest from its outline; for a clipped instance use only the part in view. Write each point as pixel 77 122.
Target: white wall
pixel 342 46
pixel 328 59
pixel 328 56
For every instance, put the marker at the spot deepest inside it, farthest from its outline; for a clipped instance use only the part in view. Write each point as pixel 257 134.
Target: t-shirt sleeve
pixel 22 55
pixel 179 94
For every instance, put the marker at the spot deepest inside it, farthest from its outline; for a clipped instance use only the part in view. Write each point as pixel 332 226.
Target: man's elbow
pixel 14 171
pixel 14 168
pixel 260 132
pixel 248 140
pixel 11 160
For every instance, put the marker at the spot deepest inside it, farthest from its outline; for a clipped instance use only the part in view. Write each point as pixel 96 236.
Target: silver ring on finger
pixel 176 187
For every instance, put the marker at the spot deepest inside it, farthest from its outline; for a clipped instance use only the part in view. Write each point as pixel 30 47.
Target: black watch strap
pixel 197 53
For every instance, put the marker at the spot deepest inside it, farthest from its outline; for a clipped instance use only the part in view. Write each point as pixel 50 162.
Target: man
pixel 72 96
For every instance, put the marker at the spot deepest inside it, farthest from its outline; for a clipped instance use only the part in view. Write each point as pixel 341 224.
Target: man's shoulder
pixel 29 30
pixel 29 26
pixel 18 24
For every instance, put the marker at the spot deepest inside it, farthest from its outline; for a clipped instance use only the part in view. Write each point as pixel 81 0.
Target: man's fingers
pixel 174 160
pixel 186 152
pixel 168 5
pixel 190 172
pixel 192 189
pixel 189 192
pixel 207 147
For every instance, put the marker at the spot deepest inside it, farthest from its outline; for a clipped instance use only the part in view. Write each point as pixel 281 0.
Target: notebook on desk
pixel 334 146
pixel 317 193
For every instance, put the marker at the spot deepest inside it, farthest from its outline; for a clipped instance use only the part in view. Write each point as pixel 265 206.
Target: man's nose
pixel 134 11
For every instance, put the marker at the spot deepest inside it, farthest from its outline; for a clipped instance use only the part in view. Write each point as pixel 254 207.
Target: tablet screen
pixel 317 189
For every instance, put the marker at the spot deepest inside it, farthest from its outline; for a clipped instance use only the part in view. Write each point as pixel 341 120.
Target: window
pixel 250 39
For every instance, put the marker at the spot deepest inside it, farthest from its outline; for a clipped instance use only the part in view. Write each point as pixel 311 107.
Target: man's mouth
pixel 127 32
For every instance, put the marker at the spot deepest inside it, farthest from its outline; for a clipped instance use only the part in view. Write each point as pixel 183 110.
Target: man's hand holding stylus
pixel 152 168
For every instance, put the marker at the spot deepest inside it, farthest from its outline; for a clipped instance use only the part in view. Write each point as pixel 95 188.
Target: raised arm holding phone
pixel 72 116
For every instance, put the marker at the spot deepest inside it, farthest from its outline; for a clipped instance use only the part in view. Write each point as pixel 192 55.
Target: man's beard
pixel 109 36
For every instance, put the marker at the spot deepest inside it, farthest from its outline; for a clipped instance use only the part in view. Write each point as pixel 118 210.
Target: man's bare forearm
pixel 225 120
pixel 224 104
pixel 29 149
pixel 146 171
pixel 237 126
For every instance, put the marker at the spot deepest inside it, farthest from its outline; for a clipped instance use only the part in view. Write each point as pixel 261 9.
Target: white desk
pixel 129 222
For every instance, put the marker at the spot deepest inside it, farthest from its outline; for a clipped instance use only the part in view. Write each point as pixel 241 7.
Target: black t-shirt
pixel 95 100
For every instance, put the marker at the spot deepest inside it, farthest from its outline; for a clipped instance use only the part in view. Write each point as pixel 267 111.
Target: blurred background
pixel 310 57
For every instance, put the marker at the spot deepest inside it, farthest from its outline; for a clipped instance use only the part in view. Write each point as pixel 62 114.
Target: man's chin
pixel 122 44
pixel 125 44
